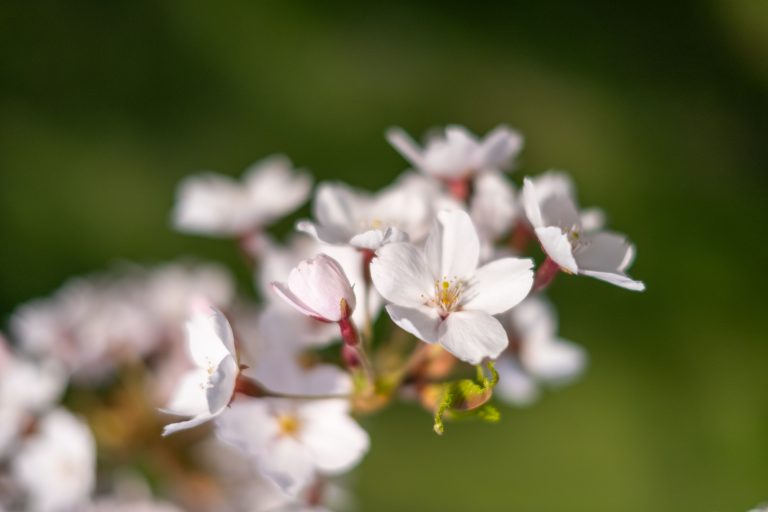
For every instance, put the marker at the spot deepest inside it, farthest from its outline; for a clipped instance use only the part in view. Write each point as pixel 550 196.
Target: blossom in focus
pixel 536 355
pixel 218 205
pixel 345 215
pixel 319 288
pixel 55 467
pixel 277 262
pixel 205 391
pixel 457 154
pixel 441 296
pixel 559 227
pixel 293 441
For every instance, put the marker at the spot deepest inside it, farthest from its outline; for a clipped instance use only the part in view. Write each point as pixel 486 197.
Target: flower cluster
pixel 425 291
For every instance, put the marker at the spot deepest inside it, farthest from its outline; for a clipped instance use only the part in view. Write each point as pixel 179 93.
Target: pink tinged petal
pixel 336 441
pixel 515 386
pixel 375 238
pixel 499 285
pixel 557 246
pixel 473 336
pixel 400 274
pixel 423 322
pixel 406 146
pixel 453 247
pixel 499 146
pixel 291 299
pixel 555 361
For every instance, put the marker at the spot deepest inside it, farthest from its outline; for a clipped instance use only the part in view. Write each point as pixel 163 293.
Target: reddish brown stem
pixel 546 273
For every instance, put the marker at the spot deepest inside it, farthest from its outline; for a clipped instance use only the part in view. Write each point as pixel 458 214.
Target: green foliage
pixel 467 398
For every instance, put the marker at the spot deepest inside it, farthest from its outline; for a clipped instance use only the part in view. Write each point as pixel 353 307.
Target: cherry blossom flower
pixel 56 465
pixel 559 227
pixel 319 288
pixel 217 205
pixel 205 391
pixel 457 154
pixel 344 215
pixel 293 441
pixel 440 296
pixel 536 356
pixel 493 208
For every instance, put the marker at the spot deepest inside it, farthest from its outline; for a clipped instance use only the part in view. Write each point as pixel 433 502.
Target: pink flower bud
pixel 318 287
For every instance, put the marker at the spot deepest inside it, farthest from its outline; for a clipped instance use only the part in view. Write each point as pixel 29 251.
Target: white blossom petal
pixel 473 336
pixel 335 440
pixel 423 322
pixel 515 386
pixel 557 246
pixel 453 247
pixel 499 285
pixel 400 274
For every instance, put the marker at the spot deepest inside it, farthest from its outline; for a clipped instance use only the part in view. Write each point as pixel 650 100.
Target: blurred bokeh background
pixel 659 110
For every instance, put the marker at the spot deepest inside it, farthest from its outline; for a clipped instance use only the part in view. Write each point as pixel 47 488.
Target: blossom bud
pixel 319 288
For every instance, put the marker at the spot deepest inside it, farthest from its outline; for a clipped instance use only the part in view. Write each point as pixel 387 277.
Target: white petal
pixel 335 235
pixel 473 336
pixel 499 285
pixel 453 247
pixel 531 204
pixel 399 272
pixel 275 188
pixel 618 279
pixel 289 464
pixel 515 386
pixel 555 361
pixel 189 397
pixel 172 428
pixel 405 145
pixel 340 206
pixel 603 252
pixel 499 146
pixel 371 239
pixel 320 284
pixel 209 336
pixel 423 322
pixel 557 246
pixel 222 385
pixel 493 207
pixel 534 319
pixel 336 441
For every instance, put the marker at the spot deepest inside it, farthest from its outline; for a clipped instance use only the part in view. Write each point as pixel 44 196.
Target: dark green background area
pixel 659 109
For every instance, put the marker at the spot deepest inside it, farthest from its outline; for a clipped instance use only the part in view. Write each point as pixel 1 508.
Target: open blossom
pixel 560 229
pixel 56 466
pixel 205 391
pixel 536 356
pixel 319 288
pixel 344 215
pixel 218 205
pixel 458 154
pixel 293 441
pixel 441 296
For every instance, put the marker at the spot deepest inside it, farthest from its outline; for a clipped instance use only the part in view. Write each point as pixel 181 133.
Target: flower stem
pixel 545 274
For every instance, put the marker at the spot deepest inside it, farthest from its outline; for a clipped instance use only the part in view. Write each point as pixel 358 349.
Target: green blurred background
pixel 659 109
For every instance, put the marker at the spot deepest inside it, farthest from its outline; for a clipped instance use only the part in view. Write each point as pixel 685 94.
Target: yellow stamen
pixel 288 424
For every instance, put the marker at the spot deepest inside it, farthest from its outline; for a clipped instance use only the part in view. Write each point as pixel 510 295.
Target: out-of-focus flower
pixel 55 466
pixel 110 505
pixel 205 391
pixel 218 205
pixel 27 389
pixel 457 154
pixel 440 296
pixel 558 225
pixel 344 215
pixel 493 208
pixel 536 356
pixel 319 288
pixel 95 323
pixel 294 441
